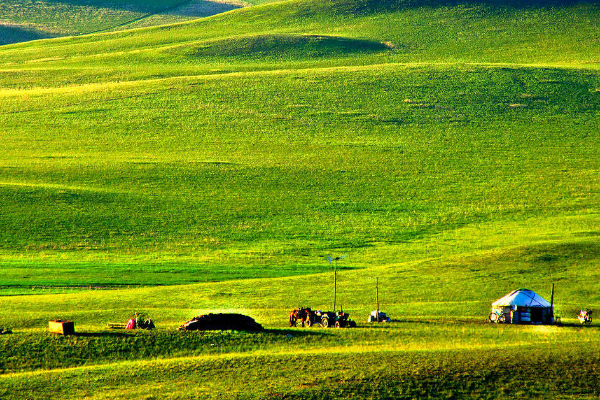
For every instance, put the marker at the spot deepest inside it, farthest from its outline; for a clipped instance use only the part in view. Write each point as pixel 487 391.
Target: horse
pixel 294 317
pixel 302 314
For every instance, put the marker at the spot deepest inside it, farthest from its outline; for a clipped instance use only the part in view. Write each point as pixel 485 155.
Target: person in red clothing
pixel 131 324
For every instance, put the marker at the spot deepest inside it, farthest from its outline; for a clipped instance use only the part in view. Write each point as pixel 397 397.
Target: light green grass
pixel 294 165
pixel 449 150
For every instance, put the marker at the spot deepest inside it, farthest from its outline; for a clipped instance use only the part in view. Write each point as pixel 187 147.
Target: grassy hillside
pixel 24 20
pixel 448 148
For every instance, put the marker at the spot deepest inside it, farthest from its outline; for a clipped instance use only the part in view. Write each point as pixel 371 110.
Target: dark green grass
pixel 509 372
pixel 40 351
pixel 77 17
pixel 15 34
pixel 47 18
pixel 281 47
pixel 51 277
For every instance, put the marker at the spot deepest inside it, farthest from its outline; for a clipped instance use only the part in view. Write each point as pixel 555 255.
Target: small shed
pixel 61 327
pixel 522 306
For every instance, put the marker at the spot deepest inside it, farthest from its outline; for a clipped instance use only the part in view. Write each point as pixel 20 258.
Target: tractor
pixel 329 318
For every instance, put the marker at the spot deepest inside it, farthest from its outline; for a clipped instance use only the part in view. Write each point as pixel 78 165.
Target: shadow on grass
pixel 194 8
pixel 575 325
pixel 284 46
pixel 10 34
pixel 103 334
pixel 298 332
pixel 371 6
pixel 440 321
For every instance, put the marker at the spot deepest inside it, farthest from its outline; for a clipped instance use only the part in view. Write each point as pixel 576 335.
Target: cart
pixel 585 317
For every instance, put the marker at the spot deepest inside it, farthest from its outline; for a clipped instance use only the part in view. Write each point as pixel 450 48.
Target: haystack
pixel 211 322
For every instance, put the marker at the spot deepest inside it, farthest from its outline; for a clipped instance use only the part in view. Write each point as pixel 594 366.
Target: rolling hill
pixel 25 20
pixel 448 148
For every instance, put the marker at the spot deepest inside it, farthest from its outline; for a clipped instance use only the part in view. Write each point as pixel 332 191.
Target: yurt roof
pixel 522 298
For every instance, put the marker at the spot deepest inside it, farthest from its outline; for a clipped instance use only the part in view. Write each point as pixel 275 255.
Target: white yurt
pixel 522 306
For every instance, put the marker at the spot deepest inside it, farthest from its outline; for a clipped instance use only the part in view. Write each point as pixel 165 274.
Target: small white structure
pixel 522 306
pixel 382 317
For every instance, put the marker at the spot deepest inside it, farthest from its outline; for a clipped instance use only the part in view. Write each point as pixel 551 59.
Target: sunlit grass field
pixel 448 149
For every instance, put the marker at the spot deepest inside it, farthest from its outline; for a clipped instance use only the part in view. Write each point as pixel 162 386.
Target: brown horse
pixel 302 314
pixel 294 317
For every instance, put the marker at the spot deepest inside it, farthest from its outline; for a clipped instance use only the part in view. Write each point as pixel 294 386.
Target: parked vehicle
pixel 497 317
pixel 585 317
pixel 383 317
pixel 329 319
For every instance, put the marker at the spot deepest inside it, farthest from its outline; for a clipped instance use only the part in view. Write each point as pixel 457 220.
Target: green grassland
pixel 448 148
pixel 24 20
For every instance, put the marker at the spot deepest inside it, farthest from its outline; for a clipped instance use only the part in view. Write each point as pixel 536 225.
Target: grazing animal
pixel 302 314
pixel 293 317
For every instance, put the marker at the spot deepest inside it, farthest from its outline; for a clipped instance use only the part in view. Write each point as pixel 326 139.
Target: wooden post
pixel 552 304
pixel 377 297
pixel 334 283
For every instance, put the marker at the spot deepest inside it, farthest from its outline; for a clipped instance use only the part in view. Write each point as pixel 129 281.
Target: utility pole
pixel 334 260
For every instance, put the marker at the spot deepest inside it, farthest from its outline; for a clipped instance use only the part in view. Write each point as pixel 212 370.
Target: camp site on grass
pixel 203 161
pixel 522 306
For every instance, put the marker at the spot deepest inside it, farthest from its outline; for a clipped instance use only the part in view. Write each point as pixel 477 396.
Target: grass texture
pixel 448 148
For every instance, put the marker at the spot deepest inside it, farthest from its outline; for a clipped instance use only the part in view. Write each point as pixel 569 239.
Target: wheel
pixel 308 322
pixel 501 318
pixel 493 317
pixel 325 322
pixel 337 324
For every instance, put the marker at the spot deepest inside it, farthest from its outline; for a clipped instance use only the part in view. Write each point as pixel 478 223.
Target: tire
pixel 325 322
pixel 337 324
pixel 493 317
pixel 501 318
pixel 308 323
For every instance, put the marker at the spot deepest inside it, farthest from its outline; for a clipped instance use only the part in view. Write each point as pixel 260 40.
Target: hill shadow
pixel 372 6
pixel 368 7
pixel 202 8
pixel 10 34
pixel 282 46
pixel 188 8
